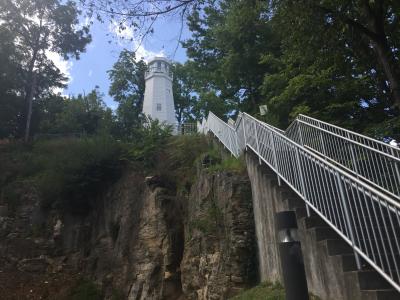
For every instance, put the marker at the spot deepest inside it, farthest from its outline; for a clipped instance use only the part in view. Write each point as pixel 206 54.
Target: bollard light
pixel 294 275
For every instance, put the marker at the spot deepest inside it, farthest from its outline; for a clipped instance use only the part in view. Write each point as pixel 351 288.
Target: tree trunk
pixel 376 20
pixel 29 99
pixel 383 52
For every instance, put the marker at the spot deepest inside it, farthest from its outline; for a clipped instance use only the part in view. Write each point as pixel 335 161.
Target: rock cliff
pixel 140 240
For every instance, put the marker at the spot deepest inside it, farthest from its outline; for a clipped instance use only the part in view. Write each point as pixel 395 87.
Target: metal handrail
pixel 365 217
pixel 375 162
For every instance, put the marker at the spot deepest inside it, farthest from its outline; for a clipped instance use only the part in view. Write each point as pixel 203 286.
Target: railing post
pixel 347 216
pixel 300 134
pixel 353 157
pixel 271 137
pixel 258 145
pixel 322 140
pixel 303 187
pixel 237 144
pixel 396 167
pixel 244 133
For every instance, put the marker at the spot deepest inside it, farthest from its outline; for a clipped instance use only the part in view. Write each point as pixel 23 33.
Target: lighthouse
pixel 158 97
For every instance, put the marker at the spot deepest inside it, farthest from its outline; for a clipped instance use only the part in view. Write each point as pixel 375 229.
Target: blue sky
pixel 91 69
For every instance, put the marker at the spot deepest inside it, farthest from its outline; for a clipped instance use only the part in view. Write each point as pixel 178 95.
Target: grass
pixel 266 291
pixel 263 291
pixel 230 164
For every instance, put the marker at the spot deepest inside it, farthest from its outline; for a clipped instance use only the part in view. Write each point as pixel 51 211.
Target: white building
pixel 158 97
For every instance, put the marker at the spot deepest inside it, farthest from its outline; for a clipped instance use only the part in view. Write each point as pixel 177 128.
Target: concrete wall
pixel 325 276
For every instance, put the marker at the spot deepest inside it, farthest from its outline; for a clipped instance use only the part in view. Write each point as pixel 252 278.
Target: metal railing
pixel 364 216
pixel 371 160
pixel 186 129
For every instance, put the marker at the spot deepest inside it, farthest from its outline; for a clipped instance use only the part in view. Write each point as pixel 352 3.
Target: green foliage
pixel 127 88
pixel 180 157
pixel 30 31
pixel 75 170
pixel 66 172
pixel 83 114
pixel 264 291
pixel 150 140
pixel 205 225
pixel 86 290
pixel 230 164
pixel 183 89
pixel 299 57
pixel 227 44
pixel 211 222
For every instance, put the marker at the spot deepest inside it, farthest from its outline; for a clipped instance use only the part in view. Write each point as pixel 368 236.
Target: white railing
pixel 364 216
pixel 371 160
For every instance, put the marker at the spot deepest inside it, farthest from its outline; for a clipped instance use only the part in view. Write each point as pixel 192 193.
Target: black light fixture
pixel 294 275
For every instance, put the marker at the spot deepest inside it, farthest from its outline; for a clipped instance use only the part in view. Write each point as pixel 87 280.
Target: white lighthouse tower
pixel 158 97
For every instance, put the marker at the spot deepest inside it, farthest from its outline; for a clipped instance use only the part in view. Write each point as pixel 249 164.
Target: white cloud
pixel 63 65
pixel 90 73
pixel 126 33
pixel 126 38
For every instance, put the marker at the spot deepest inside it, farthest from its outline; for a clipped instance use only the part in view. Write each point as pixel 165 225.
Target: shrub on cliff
pixel 67 172
pixel 71 172
pixel 149 141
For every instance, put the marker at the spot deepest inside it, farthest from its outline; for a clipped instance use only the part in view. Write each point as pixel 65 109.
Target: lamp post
pixel 294 275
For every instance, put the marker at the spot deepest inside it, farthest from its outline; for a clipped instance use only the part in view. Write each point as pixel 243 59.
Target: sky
pixel 107 42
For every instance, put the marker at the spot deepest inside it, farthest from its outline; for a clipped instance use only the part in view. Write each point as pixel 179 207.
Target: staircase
pixel 349 183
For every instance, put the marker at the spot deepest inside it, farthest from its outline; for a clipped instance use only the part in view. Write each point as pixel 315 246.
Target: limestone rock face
pixel 219 252
pixel 140 238
pixel 136 241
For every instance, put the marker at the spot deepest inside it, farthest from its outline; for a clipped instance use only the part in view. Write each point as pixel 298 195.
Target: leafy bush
pixel 181 154
pixel 148 143
pixel 67 171
pixel 231 164
pixel 74 170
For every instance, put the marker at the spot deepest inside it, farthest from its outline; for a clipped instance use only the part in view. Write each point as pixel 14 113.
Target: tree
pixel 86 114
pixel 328 69
pixel 378 23
pixel 11 103
pixel 127 87
pixel 141 14
pixel 183 89
pixel 227 45
pixel 38 27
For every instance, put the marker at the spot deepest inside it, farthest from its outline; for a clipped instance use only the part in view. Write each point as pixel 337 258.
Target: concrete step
pixel 301 213
pixel 372 280
pixel 389 294
pixel 324 233
pixel 314 221
pixel 337 246
pixel 349 263
pixel 293 203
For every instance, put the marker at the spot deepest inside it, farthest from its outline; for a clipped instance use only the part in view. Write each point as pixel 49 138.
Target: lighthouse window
pixel 159 65
pixel 158 107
